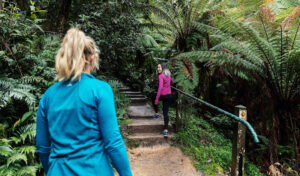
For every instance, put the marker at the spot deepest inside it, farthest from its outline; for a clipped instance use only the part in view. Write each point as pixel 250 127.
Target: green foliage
pixel 217 51
pixel 26 70
pixel 15 157
pixel 262 54
pixel 251 169
pixel 12 88
pixel 174 20
pixel 186 76
pixel 210 150
pixel 121 101
pixel 115 28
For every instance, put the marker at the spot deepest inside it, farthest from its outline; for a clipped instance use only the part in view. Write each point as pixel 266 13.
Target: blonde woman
pixel 77 131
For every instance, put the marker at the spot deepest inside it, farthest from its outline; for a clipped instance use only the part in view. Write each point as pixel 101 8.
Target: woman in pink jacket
pixel 164 94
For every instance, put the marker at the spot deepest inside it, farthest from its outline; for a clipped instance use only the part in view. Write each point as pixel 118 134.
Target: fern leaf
pixel 8 171
pixel 27 132
pixel 5 150
pixel 27 170
pixel 27 150
pixel 16 157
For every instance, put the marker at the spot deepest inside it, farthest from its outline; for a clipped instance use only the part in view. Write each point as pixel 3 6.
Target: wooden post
pixel 238 144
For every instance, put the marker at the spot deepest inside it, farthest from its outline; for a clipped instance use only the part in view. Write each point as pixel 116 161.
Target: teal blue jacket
pixel 77 131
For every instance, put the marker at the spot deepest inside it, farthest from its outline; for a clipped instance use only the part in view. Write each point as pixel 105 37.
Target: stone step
pixel 124 89
pixel 150 139
pixel 138 101
pixel 146 126
pixel 140 112
pixel 130 92
pixel 141 117
pixel 135 96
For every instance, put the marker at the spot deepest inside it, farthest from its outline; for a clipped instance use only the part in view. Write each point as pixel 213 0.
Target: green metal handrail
pixel 252 131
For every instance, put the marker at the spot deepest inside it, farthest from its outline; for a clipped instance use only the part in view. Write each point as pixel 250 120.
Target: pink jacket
pixel 164 87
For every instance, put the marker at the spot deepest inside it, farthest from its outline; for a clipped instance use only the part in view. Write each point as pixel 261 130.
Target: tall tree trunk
pixel 24 5
pixel 58 13
pixel 274 136
pixel 296 147
pixel 208 41
pixel 64 14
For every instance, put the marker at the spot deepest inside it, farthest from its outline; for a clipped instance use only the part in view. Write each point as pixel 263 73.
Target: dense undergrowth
pixel 210 150
pixel 27 70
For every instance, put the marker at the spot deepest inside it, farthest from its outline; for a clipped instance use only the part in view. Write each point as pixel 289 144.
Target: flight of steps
pixel 144 129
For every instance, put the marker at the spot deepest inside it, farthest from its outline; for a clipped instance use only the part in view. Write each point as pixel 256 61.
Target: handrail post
pixel 238 144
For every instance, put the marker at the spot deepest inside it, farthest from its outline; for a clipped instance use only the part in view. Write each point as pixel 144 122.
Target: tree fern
pixel 186 75
pixel 261 52
pixel 179 17
pixel 221 58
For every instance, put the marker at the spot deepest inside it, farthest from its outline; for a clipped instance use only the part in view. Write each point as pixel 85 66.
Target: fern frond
pixel 242 48
pixel 147 41
pixel 21 94
pixel 12 88
pixel 15 139
pixel 204 28
pixel 155 25
pixel 27 131
pixel 5 150
pixel 221 58
pixel 8 171
pixel 33 80
pixel 16 157
pixel 114 83
pixel 29 149
pixel 164 15
pixel 186 76
pixel 27 170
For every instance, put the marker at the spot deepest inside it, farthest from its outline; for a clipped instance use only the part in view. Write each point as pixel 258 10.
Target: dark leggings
pixel 167 100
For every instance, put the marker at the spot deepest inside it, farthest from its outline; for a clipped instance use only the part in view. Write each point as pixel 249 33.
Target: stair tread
pixel 143 122
pixel 140 111
pixel 138 98
pixel 148 135
pixel 135 96
pixel 131 92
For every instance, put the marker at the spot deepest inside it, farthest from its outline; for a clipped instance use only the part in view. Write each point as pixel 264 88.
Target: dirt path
pixel 160 161
pixel 154 157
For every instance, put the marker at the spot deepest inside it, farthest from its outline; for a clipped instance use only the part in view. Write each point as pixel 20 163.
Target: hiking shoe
pixel 165 133
pixel 156 116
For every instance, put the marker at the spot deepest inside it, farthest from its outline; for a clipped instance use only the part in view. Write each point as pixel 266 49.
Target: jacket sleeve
pixel 113 142
pixel 43 142
pixel 160 86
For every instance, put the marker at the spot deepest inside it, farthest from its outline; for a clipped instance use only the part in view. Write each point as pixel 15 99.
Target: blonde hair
pixel 72 57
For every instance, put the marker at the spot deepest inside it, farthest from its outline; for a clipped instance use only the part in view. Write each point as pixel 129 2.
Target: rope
pixel 250 128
